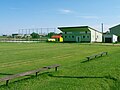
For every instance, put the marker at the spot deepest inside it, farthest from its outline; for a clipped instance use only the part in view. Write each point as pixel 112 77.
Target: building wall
pixel 83 36
pixel 114 38
pixel 107 38
pixel 115 30
pixel 95 36
pixel 68 36
pixel 61 39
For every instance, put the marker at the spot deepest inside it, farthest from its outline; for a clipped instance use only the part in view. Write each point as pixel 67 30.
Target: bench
pixel 8 78
pixel 96 55
pixel 104 53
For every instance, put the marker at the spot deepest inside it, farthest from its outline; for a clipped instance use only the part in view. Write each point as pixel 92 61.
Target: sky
pixel 24 14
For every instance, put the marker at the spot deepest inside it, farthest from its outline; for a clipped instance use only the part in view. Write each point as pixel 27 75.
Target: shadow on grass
pixel 86 60
pixel 28 77
pixel 84 77
pixel 6 74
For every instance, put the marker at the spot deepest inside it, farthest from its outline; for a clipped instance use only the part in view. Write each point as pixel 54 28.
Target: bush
pixel 35 35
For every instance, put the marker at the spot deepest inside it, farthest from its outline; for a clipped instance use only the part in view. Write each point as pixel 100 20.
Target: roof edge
pixel 73 27
pixel 79 27
pixel 114 26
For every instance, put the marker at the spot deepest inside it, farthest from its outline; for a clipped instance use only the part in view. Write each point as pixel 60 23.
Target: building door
pixel 108 40
pixel 78 38
pixel 118 39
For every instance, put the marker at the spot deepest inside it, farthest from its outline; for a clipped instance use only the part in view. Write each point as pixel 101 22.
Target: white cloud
pixel 89 17
pixel 65 11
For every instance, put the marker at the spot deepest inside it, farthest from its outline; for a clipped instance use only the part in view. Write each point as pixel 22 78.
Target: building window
pixel 69 32
pixel 69 36
pixel 86 32
pixel 65 32
pixel 65 36
pixel 97 36
pixel 87 36
pixel 83 36
pixel 72 36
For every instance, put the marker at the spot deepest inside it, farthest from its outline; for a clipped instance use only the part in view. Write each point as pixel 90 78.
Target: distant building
pixel 14 35
pixel 4 35
pixel 56 38
pixel 80 34
pixel 116 31
pixel 109 38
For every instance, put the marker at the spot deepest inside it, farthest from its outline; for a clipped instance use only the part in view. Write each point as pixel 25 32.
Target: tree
pixel 51 34
pixel 35 35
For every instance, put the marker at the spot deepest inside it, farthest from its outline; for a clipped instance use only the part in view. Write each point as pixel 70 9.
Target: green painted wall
pixel 73 36
pixel 115 30
pixel 80 34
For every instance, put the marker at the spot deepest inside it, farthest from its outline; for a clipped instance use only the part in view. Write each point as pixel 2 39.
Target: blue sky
pixel 17 14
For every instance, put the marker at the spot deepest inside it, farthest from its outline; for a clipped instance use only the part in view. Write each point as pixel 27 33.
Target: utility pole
pixel 102 32
pixel 19 31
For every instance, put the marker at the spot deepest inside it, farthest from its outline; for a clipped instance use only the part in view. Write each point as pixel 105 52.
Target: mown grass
pixel 99 74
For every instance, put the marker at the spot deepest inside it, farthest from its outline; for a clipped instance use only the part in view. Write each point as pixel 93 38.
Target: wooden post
pixel 36 74
pixel 88 58
pixel 7 82
pixel 95 56
pixel 106 53
pixel 102 32
pixel 55 68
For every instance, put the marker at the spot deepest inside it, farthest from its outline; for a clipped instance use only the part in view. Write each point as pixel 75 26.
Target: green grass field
pixel 98 74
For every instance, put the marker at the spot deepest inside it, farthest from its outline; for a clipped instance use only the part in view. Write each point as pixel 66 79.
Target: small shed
pixel 58 38
pixel 109 38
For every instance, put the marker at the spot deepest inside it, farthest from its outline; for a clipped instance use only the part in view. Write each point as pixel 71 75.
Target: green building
pixel 80 34
pixel 116 31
